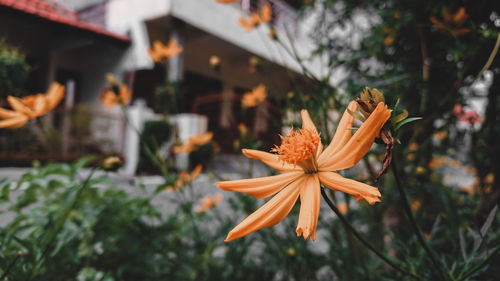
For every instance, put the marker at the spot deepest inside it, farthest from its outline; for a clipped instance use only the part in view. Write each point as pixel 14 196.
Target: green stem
pixel 481 264
pixel 362 240
pixel 12 263
pixel 414 225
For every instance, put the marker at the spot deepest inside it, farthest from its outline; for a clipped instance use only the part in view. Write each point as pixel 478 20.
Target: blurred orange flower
pixel 256 19
pixel 110 99
pixel 160 52
pixel 194 143
pixel 30 107
pixel 304 165
pixel 254 97
pixel 451 23
pixel 208 202
pixel 343 208
pixel 184 178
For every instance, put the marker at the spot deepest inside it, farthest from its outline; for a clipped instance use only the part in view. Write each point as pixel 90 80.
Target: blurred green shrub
pixel 14 71
pixel 154 135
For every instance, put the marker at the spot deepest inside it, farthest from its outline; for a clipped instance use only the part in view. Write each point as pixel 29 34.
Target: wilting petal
pixel 310 198
pixel 270 160
pixel 260 187
pixel 15 122
pixel 342 134
pixel 357 189
pixel 271 213
pixel 359 144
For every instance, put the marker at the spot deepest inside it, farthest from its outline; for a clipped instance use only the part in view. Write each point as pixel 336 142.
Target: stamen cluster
pixel 299 146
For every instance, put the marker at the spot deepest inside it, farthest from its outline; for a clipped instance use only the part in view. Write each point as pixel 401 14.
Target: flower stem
pixel 480 265
pixel 10 266
pixel 362 240
pixel 414 225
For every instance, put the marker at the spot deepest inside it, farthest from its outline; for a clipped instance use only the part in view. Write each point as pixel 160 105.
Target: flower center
pixel 299 148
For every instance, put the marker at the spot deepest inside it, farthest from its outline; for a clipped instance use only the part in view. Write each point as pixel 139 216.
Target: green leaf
pixel 82 163
pixel 487 224
pixel 400 117
pixel 406 121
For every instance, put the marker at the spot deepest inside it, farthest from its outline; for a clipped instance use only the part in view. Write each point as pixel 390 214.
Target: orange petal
pixel 54 95
pixel 18 106
pixel 357 189
pixel 342 134
pixel 271 213
pixel 41 106
pixel 125 94
pixel 260 187
pixel 310 199
pixel 266 13
pixel 352 152
pixel 270 160
pixel 308 124
pixel 15 122
pixel 6 114
pixel 109 99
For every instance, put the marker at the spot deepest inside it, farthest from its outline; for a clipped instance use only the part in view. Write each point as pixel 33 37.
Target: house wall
pixel 216 19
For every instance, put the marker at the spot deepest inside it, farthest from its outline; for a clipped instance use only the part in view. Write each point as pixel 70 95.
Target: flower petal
pixel 7 114
pixel 18 106
pixel 308 124
pixel 357 189
pixel 359 144
pixel 342 134
pixel 260 187
pixel 15 122
pixel 40 107
pixel 54 95
pixel 310 198
pixel 270 160
pixel 271 213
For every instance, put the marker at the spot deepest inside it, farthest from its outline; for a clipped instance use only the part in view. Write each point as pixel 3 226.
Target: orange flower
pixel 343 208
pixel 451 24
pixel 160 52
pixel 30 107
pixel 254 97
pixel 255 19
pixel 438 162
pixel 304 165
pixel 109 99
pixel 194 143
pixel 185 178
pixel 208 202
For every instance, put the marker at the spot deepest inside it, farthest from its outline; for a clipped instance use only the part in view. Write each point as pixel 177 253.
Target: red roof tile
pixel 54 11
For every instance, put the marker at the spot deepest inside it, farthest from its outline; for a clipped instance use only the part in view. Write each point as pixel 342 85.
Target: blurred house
pixel 81 40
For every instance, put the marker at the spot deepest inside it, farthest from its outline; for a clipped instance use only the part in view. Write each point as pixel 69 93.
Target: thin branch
pixel 363 241
pixel 414 225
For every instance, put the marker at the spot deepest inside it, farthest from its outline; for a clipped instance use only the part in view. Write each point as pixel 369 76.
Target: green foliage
pixel 155 134
pixel 14 71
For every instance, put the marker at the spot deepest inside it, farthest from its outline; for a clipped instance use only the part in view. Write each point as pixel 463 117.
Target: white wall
pixel 217 19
